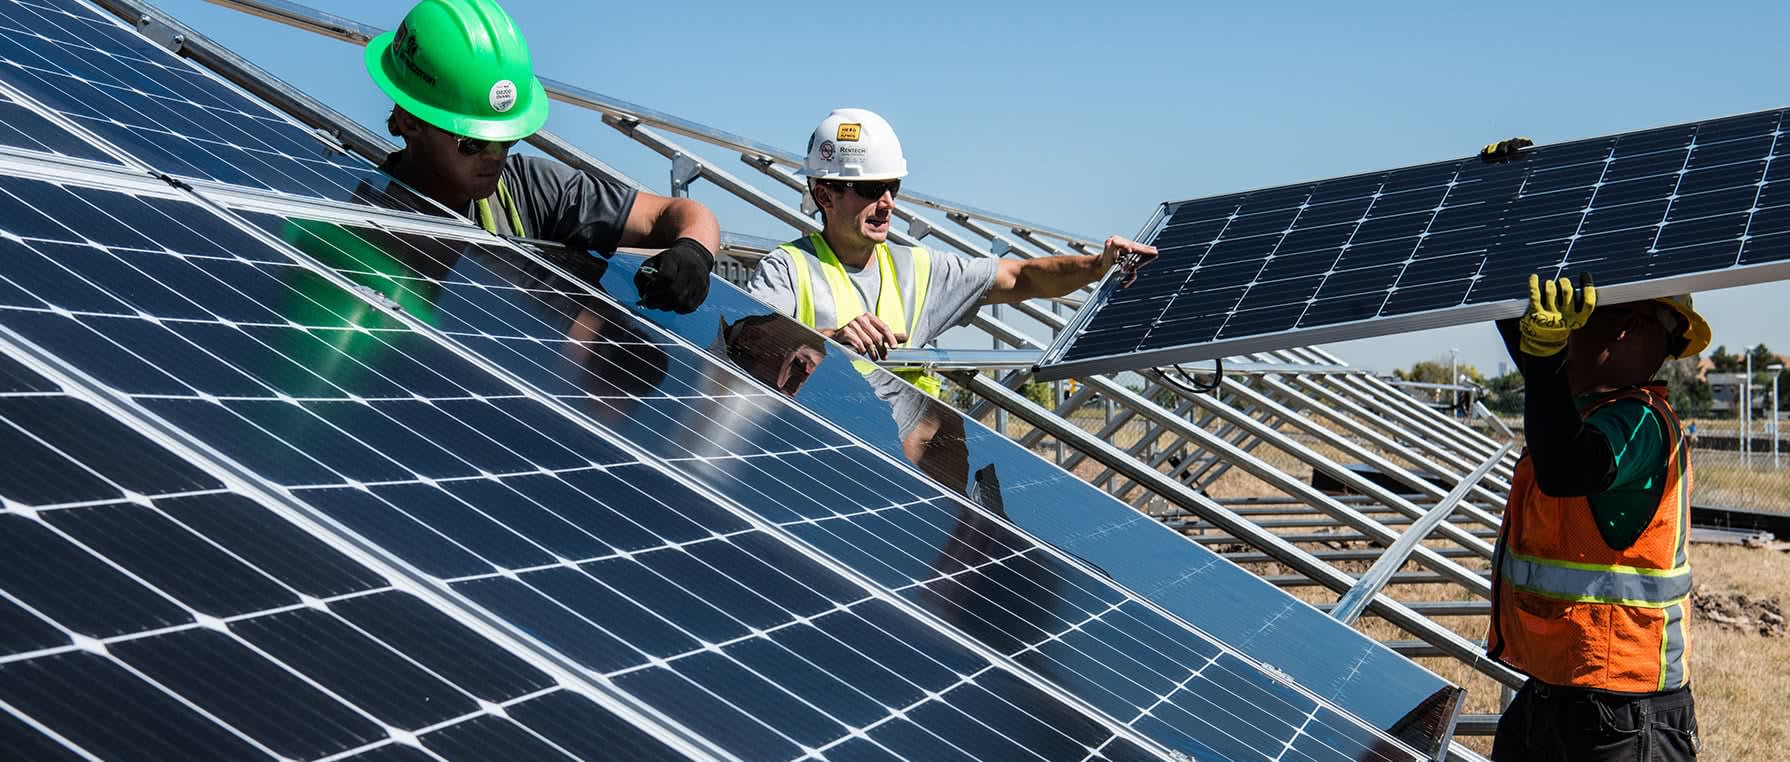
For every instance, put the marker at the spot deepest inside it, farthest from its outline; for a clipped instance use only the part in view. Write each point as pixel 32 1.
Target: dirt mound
pixel 1738 611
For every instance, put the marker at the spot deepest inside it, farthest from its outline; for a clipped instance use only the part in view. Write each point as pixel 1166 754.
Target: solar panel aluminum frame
pixel 1052 365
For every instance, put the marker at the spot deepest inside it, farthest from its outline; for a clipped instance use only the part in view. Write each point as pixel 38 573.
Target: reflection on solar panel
pixel 938 552
pixel 302 482
pixel 493 498
pixel 1226 601
pixel 1648 213
pixel 108 80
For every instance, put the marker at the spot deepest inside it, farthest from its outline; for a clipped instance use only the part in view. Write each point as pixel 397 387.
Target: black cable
pixel 1194 384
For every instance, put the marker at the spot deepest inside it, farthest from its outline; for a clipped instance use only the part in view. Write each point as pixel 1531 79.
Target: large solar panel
pixel 1648 213
pixel 934 549
pixel 90 70
pixel 494 500
pixel 1158 563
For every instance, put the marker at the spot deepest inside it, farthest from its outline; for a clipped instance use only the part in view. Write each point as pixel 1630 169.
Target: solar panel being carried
pixel 1649 213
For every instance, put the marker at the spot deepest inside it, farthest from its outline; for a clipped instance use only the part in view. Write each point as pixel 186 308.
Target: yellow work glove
pixel 1503 150
pixel 1553 314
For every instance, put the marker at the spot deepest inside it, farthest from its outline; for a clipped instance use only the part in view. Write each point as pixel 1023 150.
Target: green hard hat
pixel 463 66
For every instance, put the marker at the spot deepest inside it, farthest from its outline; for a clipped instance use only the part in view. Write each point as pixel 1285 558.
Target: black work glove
pixel 677 278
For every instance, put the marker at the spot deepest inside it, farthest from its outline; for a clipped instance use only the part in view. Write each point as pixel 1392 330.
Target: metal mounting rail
pixel 1349 608
pixel 349 30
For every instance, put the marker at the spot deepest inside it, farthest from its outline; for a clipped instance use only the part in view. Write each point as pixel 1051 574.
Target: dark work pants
pixel 1549 723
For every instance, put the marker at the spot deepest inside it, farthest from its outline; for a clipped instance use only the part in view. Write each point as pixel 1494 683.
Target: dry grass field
pixel 1742 679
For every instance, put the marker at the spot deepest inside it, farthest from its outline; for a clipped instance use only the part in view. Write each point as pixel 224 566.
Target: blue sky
pixel 1085 116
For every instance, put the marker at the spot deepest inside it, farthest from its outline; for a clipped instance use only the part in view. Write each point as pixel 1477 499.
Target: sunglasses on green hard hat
pixel 869 190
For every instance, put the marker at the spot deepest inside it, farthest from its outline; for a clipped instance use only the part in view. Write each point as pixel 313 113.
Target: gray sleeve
pixel 576 208
pixel 773 284
pixel 957 286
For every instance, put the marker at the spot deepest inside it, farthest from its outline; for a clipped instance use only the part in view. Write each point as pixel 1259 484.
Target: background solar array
pixel 91 70
pixel 1263 269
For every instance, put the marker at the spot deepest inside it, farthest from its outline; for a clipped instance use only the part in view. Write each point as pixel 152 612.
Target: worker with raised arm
pixel 856 288
pixel 1591 582
pixel 465 91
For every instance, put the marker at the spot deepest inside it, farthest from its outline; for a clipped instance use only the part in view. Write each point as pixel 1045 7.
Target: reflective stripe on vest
pixel 1591 583
pixel 512 215
pixel 847 305
pixel 1567 609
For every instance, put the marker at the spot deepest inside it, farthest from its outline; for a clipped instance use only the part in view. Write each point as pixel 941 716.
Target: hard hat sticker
pixel 826 150
pixel 848 131
pixel 503 95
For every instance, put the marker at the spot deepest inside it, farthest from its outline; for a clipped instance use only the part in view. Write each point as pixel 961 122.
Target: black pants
pixel 1549 723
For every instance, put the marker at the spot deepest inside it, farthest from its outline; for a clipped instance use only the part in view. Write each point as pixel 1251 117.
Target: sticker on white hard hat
pixel 848 132
pixel 826 150
pixel 503 95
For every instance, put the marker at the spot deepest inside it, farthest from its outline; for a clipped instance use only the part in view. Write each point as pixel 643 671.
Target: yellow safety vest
pixel 847 306
pixel 489 222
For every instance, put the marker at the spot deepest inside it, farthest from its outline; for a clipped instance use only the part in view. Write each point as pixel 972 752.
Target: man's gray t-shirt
pixel 558 203
pixel 954 289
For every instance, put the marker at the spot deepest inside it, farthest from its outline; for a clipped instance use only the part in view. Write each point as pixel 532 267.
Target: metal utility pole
pixel 1746 411
pixel 1777 369
pixel 1454 379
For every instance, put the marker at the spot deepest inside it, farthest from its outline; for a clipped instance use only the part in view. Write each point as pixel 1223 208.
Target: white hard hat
pixel 854 144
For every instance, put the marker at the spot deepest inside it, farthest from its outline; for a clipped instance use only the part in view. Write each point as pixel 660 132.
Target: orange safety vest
pixel 1567 609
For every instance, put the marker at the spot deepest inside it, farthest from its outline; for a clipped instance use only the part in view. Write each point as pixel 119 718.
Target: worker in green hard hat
pixel 464 90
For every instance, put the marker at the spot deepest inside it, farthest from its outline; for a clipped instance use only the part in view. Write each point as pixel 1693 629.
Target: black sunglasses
pixel 474 146
pixel 869 190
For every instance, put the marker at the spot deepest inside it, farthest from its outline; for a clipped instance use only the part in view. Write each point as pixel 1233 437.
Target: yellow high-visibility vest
pixel 482 208
pixel 847 306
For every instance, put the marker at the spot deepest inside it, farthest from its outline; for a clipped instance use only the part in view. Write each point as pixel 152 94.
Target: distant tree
pixel 1504 394
pixel 1039 393
pixel 1722 362
pixel 1689 393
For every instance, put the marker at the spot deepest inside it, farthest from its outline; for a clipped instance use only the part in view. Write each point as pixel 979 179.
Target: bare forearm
pixel 684 218
pixel 1043 277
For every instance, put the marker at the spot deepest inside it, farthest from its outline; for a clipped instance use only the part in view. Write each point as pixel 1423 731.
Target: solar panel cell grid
pixel 982 578
pixel 1633 209
pixel 637 579
pixel 148 612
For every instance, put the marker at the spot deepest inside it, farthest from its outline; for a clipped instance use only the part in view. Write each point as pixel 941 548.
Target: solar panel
pixel 104 78
pixel 485 495
pixel 21 127
pixel 1224 600
pixel 879 519
pixel 149 611
pixel 1648 213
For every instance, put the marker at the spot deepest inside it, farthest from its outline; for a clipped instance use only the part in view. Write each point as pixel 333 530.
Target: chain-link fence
pixel 1751 472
